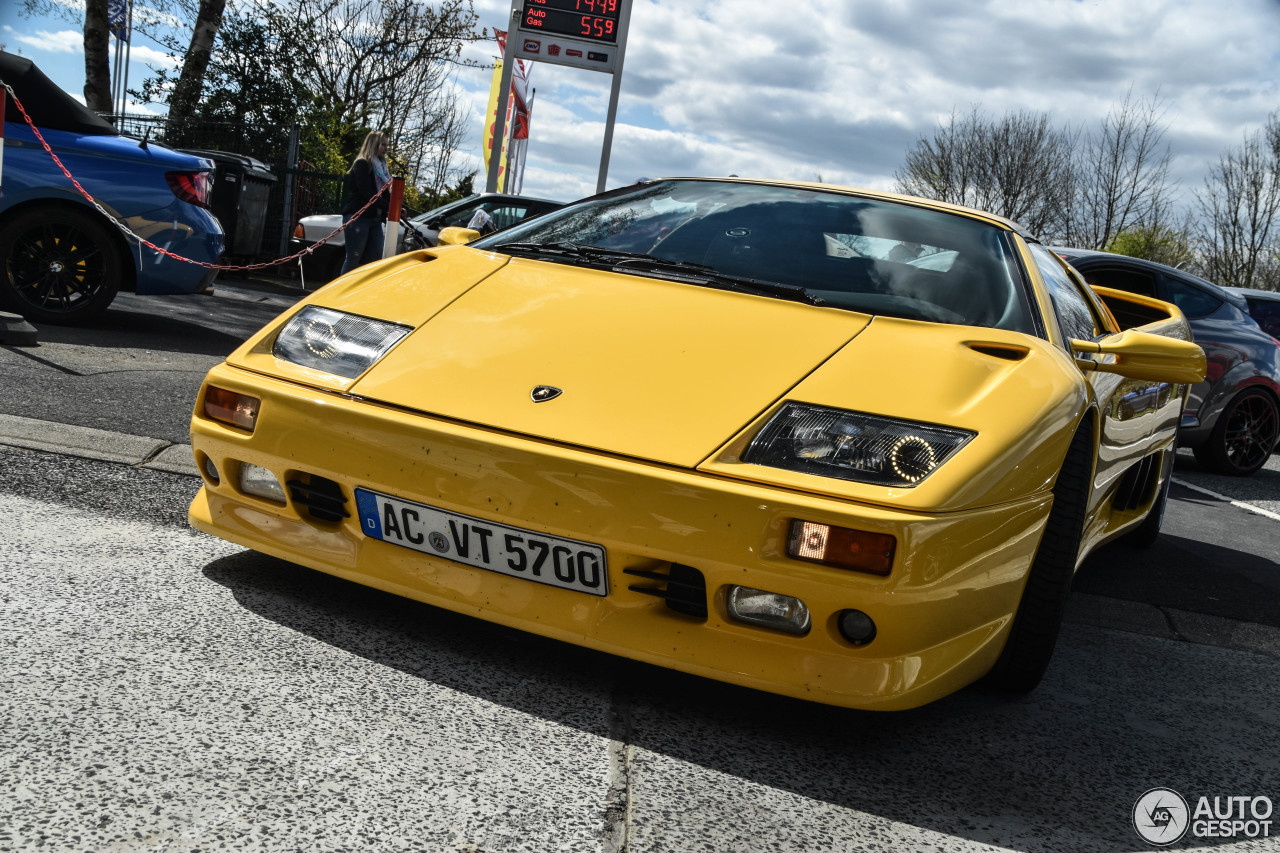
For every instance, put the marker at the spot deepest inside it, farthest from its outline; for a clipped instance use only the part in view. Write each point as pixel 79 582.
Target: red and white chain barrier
pixel 142 241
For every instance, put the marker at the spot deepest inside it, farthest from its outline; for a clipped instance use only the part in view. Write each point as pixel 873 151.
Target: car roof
pixel 48 106
pixel 1223 293
pixel 1256 293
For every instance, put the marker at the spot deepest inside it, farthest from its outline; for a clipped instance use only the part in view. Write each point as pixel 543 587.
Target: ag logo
pixel 1161 816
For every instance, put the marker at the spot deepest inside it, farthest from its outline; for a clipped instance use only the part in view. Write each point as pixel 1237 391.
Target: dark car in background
pixel 62 260
pixel 421 231
pixel 1232 419
pixel 1264 308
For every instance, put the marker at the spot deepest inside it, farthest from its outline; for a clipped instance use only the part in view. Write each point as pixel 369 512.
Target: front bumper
pixel 942 614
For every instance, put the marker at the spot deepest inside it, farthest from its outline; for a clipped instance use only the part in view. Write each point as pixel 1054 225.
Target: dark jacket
pixel 358 187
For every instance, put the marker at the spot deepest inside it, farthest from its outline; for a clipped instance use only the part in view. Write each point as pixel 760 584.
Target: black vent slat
pixel 684 588
pixel 1138 484
pixel 322 497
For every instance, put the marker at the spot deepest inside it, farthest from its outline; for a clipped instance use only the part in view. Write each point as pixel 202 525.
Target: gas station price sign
pixel 591 20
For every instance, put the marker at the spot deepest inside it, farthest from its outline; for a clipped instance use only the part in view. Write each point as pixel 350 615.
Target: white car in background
pixel 325 261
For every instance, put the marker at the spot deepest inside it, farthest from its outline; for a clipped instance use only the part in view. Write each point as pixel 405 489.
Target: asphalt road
pixel 163 690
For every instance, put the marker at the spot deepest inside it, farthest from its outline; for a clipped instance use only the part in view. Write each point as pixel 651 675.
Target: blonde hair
pixel 369 150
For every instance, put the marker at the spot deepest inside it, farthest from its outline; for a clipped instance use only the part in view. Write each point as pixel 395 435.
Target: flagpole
pixel 128 51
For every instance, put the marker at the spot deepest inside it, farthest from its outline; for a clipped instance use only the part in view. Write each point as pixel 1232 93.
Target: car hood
pixel 647 368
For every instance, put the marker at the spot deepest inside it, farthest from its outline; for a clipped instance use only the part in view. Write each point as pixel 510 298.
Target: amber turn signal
pixel 841 547
pixel 231 407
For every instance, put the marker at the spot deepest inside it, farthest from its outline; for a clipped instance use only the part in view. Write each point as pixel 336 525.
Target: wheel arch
pixel 118 243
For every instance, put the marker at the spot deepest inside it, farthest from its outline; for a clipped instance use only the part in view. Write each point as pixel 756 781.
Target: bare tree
pixel 387 65
pixel 1018 167
pixel 1239 204
pixel 1121 176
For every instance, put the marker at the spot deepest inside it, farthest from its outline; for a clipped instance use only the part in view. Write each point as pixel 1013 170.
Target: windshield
pixel 843 251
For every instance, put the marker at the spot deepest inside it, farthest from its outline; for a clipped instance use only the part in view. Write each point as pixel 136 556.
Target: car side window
pixel 1191 300
pixel 1132 281
pixel 505 215
pixel 1267 313
pixel 1075 315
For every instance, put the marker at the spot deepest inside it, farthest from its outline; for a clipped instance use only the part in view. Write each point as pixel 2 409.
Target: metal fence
pixel 298 190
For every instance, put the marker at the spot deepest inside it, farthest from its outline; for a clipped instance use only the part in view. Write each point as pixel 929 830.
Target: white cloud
pixel 63 41
pixel 154 58
pixel 844 89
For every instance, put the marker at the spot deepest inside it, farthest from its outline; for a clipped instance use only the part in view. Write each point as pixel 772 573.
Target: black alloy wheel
pixel 60 265
pixel 1244 436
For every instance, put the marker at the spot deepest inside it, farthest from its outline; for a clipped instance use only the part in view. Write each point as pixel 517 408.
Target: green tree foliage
pixel 338 69
pixel 1154 243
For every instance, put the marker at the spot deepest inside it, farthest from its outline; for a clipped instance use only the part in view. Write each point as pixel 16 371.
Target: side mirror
pixel 436 224
pixel 1143 355
pixel 455 236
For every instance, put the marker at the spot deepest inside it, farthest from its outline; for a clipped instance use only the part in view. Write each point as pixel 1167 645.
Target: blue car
pixel 61 259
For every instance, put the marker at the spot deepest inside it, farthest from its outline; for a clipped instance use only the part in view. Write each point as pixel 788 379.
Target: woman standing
pixel 368 174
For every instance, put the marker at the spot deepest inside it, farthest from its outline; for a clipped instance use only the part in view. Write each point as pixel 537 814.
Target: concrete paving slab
pixel 85 442
pixel 176 459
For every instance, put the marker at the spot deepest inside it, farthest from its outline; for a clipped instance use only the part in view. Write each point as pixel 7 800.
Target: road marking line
pixel 1250 507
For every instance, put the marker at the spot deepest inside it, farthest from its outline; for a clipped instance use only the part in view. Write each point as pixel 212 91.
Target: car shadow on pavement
pixel 1190 575
pixel 1058 769
pixel 198 324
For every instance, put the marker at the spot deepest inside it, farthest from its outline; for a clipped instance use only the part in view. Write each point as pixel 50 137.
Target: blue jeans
pixel 364 243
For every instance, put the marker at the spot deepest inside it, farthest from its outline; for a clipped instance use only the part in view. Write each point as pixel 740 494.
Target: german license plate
pixel 552 560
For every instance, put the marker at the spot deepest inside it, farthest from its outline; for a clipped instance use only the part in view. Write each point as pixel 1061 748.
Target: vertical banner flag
pixel 491 118
pixel 519 90
pixel 118 19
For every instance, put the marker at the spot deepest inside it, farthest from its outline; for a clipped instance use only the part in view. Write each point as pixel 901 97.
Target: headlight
pixel 853 446
pixel 342 344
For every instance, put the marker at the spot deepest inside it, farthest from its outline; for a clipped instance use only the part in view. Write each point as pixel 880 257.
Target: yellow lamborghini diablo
pixel 840 445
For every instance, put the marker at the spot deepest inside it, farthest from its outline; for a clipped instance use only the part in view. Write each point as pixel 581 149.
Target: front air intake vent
pixel 683 588
pixel 322 497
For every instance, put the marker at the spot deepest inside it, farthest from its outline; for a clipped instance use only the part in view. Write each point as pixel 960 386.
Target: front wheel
pixel 60 265
pixel 1244 436
pixel 1035 628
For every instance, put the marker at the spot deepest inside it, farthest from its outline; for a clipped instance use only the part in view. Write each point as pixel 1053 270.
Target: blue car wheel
pixel 60 265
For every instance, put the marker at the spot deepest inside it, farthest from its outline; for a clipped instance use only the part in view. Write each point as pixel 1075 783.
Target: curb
pixel 103 445
pixel 1085 610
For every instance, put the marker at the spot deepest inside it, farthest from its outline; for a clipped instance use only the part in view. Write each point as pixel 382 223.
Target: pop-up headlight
pixel 334 342
pixel 853 446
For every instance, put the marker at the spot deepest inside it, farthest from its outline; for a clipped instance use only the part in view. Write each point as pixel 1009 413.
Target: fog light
pixel 856 627
pixel 258 481
pixel 841 547
pixel 231 407
pixel 769 609
pixel 211 470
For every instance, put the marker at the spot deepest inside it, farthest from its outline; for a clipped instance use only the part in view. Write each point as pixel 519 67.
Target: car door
pixel 1203 310
pixel 1130 409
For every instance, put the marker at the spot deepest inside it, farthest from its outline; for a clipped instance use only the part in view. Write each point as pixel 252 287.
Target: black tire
pixel 1146 533
pixel 1244 436
pixel 59 265
pixel 1034 634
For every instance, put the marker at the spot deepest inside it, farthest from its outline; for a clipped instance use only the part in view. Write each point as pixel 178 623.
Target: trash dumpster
pixel 240 188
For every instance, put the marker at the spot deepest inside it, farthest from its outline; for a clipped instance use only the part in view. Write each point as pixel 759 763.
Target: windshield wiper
pixel 687 272
pixel 568 249
pixel 693 273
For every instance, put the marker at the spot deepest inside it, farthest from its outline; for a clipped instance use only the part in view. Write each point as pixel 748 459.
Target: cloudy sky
pixel 839 90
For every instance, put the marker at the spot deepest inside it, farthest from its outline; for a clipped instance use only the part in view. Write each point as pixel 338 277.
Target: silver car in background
pixel 325 261
pixel 1232 419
